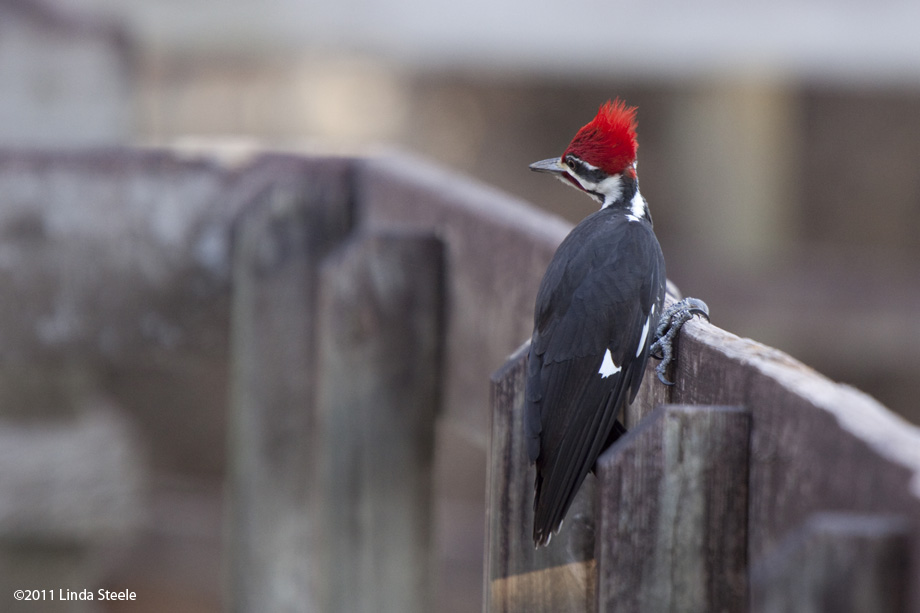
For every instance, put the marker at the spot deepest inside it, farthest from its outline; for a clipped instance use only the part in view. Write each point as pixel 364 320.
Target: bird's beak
pixel 552 166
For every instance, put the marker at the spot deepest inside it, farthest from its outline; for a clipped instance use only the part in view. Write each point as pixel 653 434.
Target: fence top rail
pixel 400 190
pixel 887 434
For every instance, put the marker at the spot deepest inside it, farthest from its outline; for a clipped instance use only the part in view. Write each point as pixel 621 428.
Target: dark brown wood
pixel 840 562
pixel 672 513
pixel 380 333
pixel 278 243
pixel 560 577
pixel 651 394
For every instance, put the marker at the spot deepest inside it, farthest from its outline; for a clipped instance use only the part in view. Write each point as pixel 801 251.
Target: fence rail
pixel 705 492
pixel 371 299
pixel 355 309
pixel 698 502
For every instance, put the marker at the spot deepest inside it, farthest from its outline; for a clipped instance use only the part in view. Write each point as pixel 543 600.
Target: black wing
pixel 596 314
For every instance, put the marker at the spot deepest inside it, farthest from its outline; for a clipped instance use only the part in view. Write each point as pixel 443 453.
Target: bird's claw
pixel 672 320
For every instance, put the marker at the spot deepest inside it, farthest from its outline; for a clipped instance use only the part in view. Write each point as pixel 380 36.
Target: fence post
pixel 559 578
pixel 379 341
pixel 672 513
pixel 841 562
pixel 278 243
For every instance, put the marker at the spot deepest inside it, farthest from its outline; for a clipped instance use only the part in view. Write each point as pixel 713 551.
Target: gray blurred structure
pixel 112 361
pixel 71 492
pixel 66 77
pixel 658 40
pixel 120 261
pixel 376 468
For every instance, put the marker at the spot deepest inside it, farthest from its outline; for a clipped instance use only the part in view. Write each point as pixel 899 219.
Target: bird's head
pixel 601 156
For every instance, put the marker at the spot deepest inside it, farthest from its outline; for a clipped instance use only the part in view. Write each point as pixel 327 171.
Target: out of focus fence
pixel 349 312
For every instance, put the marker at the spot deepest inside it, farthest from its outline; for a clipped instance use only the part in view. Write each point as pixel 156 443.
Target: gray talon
pixel 661 373
pixel 672 320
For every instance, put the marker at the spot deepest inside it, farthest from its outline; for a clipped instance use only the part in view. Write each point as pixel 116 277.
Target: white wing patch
pixel 608 367
pixel 641 346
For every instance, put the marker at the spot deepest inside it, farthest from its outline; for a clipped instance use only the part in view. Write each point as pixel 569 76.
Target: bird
pixel 599 315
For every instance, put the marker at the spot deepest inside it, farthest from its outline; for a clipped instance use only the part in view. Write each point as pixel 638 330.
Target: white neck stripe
pixel 638 208
pixel 611 188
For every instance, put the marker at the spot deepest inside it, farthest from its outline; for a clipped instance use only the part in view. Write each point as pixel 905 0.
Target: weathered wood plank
pixel 651 395
pixel 497 248
pixel 840 562
pixel 672 513
pixel 380 336
pixel 278 243
pixel 557 578
pixel 815 444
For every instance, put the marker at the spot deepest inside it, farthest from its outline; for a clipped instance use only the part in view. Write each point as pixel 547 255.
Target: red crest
pixel 609 140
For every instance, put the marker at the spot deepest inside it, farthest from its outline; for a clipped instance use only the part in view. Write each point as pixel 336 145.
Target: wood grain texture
pixel 278 242
pixel 380 335
pixel 816 445
pixel 672 513
pixel 520 578
pixel 840 562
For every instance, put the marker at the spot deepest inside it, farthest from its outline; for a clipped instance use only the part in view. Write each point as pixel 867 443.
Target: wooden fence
pixel 753 484
pixel 371 301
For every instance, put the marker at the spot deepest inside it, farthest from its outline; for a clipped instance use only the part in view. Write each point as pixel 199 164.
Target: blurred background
pixel 779 143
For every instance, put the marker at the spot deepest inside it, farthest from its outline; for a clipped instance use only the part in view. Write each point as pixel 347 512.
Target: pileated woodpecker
pixel 599 315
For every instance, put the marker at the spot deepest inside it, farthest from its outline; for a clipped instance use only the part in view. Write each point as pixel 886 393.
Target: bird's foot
pixel 672 320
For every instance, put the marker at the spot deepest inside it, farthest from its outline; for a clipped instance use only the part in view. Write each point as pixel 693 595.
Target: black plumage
pixel 603 291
